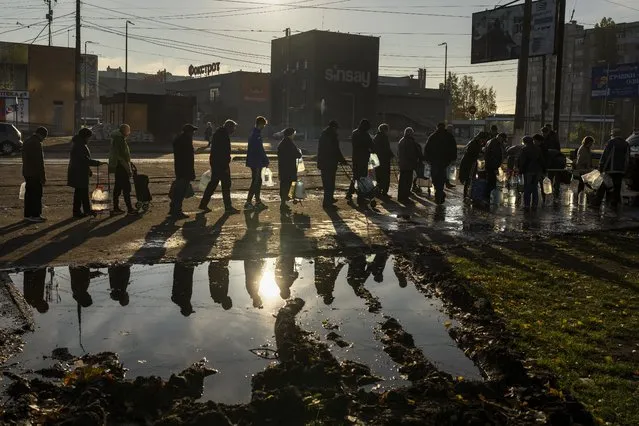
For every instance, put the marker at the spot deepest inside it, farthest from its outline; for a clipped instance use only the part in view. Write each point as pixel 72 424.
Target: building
pixel 584 49
pixel 156 118
pixel 240 96
pixel 160 76
pixel 318 76
pixel 37 87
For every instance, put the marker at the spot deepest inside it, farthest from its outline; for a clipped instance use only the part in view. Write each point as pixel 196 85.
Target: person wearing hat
pixel 287 154
pixel 329 156
pixel 614 163
pixel 184 164
pixel 532 166
pixel 34 175
pixel 79 171
pixel 220 161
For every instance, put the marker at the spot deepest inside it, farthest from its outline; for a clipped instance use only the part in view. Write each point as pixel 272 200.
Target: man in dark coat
pixel 440 151
pixel 184 163
pixel 494 156
pixel 531 165
pixel 329 156
pixel 79 171
pixel 220 161
pixel 256 160
pixel 467 166
pixel 362 148
pixel 385 154
pixel 614 163
pixel 34 175
pixel 287 155
pixel 409 154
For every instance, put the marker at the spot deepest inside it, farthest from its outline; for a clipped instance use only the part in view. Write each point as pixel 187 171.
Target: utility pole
pixel 446 92
pixel 78 74
pixel 543 90
pixel 559 48
pixel 50 18
pixel 126 71
pixel 287 33
pixel 572 82
pixel 86 71
pixel 522 72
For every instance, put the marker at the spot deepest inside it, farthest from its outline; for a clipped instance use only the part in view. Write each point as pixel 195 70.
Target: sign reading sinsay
pixel 338 75
pixel 204 69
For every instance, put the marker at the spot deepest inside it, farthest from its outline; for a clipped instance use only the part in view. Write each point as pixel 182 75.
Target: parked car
pixel 10 139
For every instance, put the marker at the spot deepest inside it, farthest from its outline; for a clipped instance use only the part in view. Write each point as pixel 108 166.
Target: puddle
pixel 162 318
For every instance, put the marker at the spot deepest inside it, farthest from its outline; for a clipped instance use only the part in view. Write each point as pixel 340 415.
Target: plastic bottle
pixel 452 174
pixel 426 171
pixel 373 161
pixel 267 177
pixel 547 186
pixel 567 195
pixel 23 190
pixel 512 197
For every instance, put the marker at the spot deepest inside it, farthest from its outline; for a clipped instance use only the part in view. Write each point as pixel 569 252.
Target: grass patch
pixel 574 303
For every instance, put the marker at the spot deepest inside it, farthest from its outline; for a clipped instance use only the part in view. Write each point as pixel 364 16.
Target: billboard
pixel 621 81
pixel 14 106
pixel 497 34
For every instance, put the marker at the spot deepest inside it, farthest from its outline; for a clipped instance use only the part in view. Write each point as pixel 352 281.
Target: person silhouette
pixel 219 283
pixel 253 274
pixel 358 272
pixel 119 278
pixel 34 283
pixel 285 275
pixel 399 273
pixel 80 280
pixel 183 287
pixel 326 273
pixel 377 267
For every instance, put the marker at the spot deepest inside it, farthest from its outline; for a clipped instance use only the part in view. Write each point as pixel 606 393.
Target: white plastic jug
pixel 426 171
pixel 582 199
pixel 547 186
pixel 300 192
pixel 373 161
pixel 205 179
pixel 267 177
pixel 566 195
pixel 501 176
pixel 512 197
pixel 99 195
pixel 300 166
pixel 452 174
pixel 23 190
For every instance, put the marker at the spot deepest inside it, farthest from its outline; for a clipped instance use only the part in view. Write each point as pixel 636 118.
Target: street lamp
pixel 126 71
pixel 84 98
pixel 445 44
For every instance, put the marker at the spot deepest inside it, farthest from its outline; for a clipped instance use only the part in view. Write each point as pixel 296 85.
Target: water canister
pixel 23 190
pixel 547 186
pixel 582 199
pixel 566 195
pixel 300 192
pixel 267 177
pixel 205 179
pixel 452 174
pixel 512 197
pixel 373 161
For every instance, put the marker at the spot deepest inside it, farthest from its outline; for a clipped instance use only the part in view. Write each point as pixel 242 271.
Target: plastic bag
pixel 373 161
pixel 23 190
pixel 267 177
pixel 300 165
pixel 547 184
pixel 590 178
pixel 205 179
pixel 99 194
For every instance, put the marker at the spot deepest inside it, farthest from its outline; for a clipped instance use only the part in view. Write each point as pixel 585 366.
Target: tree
pixel 605 40
pixel 464 93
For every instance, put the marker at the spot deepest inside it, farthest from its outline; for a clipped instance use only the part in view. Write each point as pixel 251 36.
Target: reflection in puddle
pixel 162 318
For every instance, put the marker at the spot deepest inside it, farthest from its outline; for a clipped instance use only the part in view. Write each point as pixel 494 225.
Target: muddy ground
pixel 308 385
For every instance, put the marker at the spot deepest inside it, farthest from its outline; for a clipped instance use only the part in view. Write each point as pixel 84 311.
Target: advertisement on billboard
pixel 621 81
pixel 497 34
pixel 14 106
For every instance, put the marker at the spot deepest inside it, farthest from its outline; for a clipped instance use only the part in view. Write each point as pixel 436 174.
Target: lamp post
pixel 126 71
pixel 84 98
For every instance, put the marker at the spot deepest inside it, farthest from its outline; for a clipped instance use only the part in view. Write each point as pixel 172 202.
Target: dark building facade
pixel 239 96
pixel 318 76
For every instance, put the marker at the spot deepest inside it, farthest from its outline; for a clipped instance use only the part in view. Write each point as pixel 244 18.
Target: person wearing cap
pixel 120 166
pixel 531 166
pixel 362 149
pixel 34 175
pixel 440 151
pixel 220 161
pixel 329 155
pixel 256 160
pixel 287 154
pixel 184 164
pixel 614 163
pixel 79 171
pixel 494 156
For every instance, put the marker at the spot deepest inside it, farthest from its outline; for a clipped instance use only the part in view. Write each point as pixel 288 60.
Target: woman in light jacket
pixel 584 161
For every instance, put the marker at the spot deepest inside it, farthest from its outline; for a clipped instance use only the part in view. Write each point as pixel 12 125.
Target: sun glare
pixel 269 291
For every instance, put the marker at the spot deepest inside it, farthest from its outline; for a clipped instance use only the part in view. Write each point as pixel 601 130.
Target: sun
pixel 269 291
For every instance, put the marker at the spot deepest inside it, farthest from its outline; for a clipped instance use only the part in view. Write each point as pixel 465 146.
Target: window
pixel 214 94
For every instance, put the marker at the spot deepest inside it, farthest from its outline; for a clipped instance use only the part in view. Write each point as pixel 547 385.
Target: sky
pixel 175 34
